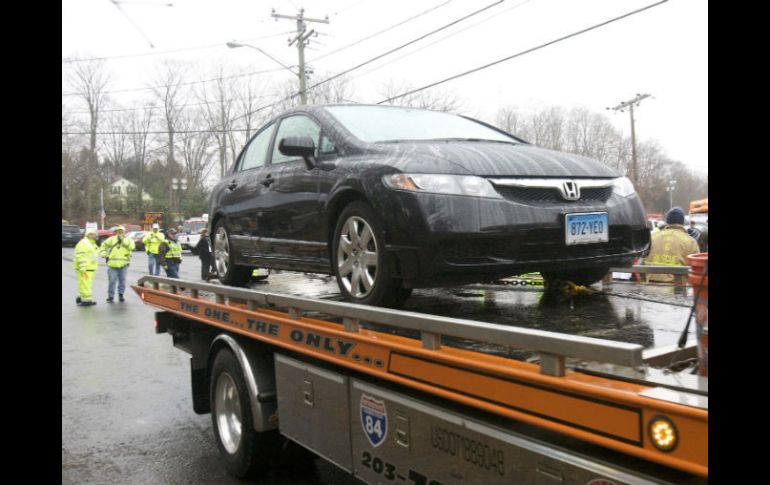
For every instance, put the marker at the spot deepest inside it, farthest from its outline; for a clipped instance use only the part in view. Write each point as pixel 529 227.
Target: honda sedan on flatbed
pixel 388 199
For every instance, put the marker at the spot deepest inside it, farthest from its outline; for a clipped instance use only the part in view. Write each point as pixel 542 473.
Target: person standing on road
pixel 170 254
pixel 85 262
pixel 671 246
pixel 151 242
pixel 204 253
pixel 117 251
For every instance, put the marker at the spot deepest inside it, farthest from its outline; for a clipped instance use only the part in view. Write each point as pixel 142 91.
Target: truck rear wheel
pixel 247 453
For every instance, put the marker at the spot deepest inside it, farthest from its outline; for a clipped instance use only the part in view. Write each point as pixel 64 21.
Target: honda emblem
pixel 571 190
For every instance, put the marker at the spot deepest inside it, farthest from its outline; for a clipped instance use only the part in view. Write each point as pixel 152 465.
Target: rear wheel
pixel 247 453
pixel 360 261
pixel 583 277
pixel 229 273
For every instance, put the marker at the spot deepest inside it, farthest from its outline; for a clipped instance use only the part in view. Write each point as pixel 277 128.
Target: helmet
pixel 120 228
pixel 90 231
pixel 156 226
pixel 171 232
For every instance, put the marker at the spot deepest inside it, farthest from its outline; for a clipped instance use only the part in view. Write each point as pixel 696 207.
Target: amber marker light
pixel 663 433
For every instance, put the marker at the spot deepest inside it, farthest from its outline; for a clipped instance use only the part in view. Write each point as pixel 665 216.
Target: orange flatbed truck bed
pixel 387 407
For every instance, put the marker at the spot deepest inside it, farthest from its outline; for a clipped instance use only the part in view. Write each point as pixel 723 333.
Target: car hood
pixel 491 159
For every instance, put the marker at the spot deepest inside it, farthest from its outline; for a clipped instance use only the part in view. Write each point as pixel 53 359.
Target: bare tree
pixel 219 99
pixel 196 150
pixel 89 80
pixel 140 123
pixel 117 142
pixel 434 99
pixel 172 98
pixel 510 119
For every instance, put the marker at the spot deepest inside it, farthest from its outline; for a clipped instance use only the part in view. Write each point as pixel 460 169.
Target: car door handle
pixel 232 185
pixel 267 181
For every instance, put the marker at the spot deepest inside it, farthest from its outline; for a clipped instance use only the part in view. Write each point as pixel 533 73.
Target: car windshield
pixel 378 124
pixel 193 227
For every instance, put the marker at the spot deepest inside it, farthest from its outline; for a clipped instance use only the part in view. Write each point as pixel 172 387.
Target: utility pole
pixel 301 40
pixel 630 105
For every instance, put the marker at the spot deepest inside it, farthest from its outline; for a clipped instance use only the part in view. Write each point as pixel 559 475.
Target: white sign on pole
pixel 92 225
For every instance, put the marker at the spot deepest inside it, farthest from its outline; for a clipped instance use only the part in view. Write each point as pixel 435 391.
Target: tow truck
pixel 393 396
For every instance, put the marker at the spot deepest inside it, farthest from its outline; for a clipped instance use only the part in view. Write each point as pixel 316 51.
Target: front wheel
pixel 246 452
pixel 360 261
pixel 229 273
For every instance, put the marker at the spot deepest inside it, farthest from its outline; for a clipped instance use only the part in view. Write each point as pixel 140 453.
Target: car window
pixel 295 126
pixel 254 155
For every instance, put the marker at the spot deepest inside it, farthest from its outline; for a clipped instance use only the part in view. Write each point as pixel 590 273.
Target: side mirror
pixel 299 146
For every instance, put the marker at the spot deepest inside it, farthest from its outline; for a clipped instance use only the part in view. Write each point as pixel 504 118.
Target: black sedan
pixel 388 199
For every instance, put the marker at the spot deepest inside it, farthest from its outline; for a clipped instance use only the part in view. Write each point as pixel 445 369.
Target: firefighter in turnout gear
pixel 117 251
pixel 151 242
pixel 170 254
pixel 670 246
pixel 85 262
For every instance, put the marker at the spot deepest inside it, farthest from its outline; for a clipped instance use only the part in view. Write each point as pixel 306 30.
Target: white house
pixel 124 191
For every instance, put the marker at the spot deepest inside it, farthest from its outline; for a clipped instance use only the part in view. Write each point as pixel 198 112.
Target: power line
pixel 160 132
pixel 67 60
pixel 345 72
pixel 380 32
pixel 493 16
pixel 140 108
pixel 406 45
pixel 541 46
pixel 221 78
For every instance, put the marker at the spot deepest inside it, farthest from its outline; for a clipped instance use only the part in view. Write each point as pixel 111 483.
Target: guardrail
pixel 553 348
pixel 679 272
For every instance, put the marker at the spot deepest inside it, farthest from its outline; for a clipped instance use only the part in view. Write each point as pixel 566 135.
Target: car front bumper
pixel 444 239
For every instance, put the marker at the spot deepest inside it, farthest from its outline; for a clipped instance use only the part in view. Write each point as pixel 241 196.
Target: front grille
pixel 536 245
pixel 551 195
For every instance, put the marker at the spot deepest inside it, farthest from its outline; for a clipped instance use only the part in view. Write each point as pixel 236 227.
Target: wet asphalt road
pixel 126 409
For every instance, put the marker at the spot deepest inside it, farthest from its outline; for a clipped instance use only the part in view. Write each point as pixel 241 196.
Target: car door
pixel 240 199
pixel 291 226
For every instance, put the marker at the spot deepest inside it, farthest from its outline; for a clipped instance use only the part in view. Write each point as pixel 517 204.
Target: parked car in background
pixel 389 198
pixel 137 236
pixel 189 234
pixel 70 235
pixel 103 234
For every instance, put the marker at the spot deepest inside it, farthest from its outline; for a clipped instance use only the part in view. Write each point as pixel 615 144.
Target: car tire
pixel 584 277
pixel 246 452
pixel 360 262
pixel 229 273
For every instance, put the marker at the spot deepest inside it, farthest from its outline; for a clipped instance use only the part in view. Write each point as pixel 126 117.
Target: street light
pixel 235 45
pixel 176 185
pixel 670 190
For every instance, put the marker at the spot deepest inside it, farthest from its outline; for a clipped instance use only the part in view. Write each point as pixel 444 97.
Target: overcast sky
pixel 662 51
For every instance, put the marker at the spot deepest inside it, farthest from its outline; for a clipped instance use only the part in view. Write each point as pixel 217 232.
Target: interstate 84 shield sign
pixel 374 419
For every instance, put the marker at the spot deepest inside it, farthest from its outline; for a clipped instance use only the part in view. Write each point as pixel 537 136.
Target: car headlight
pixel 442 184
pixel 623 187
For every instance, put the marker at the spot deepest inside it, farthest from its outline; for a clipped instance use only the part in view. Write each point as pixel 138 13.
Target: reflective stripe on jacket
pixel 119 253
pixel 86 255
pixel 670 247
pixel 170 250
pixel 152 241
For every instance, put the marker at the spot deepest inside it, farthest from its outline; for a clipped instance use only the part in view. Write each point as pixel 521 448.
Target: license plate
pixel 591 227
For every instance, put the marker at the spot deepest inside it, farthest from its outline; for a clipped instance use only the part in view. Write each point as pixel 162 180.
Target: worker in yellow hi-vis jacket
pixel 671 245
pixel 117 251
pixel 85 262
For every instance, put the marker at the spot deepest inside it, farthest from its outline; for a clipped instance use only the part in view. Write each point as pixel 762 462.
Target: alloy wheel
pixel 221 250
pixel 357 257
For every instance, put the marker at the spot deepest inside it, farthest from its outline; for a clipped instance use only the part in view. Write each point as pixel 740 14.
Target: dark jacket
pixel 204 251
